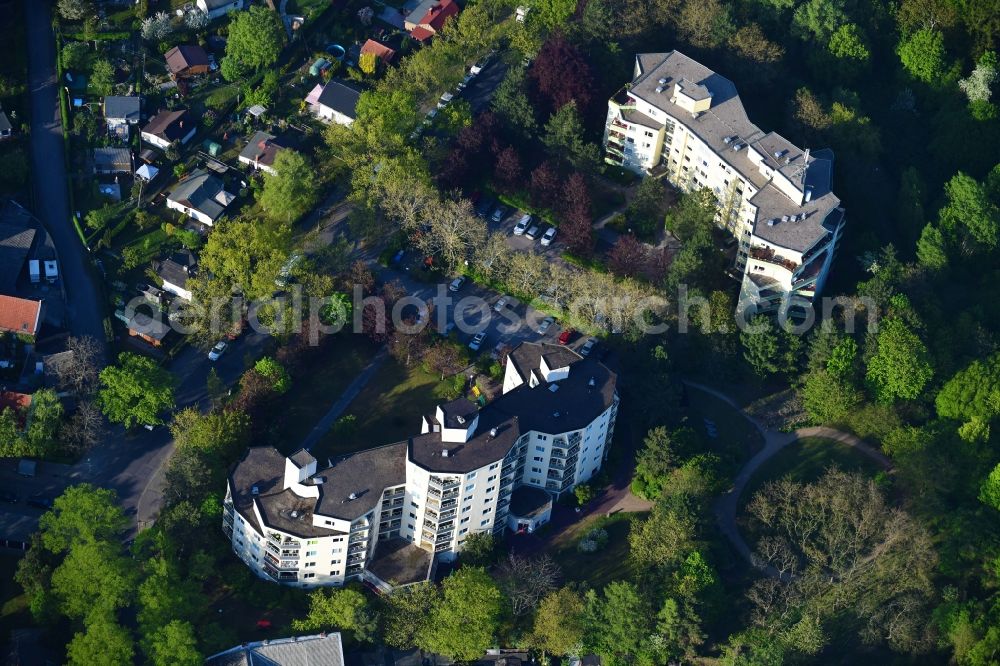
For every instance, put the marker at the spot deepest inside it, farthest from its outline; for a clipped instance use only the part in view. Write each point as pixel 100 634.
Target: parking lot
pixel 18 519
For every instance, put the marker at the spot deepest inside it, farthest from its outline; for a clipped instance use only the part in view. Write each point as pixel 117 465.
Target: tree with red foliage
pixel 577 227
pixel 545 185
pixel 628 257
pixel 561 74
pixel 508 169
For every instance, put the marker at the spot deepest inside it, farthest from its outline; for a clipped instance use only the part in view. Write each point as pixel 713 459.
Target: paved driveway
pixel 85 306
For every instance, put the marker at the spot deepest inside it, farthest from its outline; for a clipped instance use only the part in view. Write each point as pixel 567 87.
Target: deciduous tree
pixel 466 617
pixel 560 624
pixel 292 190
pixel 899 365
pixel 922 54
pixel 254 42
pixel 346 608
pixel 136 391
pixel 562 75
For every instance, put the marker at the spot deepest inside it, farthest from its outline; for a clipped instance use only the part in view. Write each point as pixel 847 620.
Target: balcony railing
pixel 768 255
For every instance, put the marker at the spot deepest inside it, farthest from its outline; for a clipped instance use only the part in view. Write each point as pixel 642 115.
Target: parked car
pixel 8 496
pixel 532 233
pixel 445 100
pixel 588 346
pixel 499 213
pixel 501 303
pixel 522 225
pixel 457 283
pixel 40 502
pixel 468 78
pixel 565 336
pixel 481 64
pixel 484 207
pixel 218 350
pixel 549 236
pixel 544 326
pixel 477 341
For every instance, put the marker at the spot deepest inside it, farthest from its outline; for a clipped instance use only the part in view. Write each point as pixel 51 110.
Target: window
pixel 334 561
pixel 312 542
pixel 543 438
pixel 537 458
pixel 309 575
pixel 466 509
pixel 540 448
pixel 470 487
pixel 487 510
pixel 492 478
pixel 484 523
pixel 464 530
pixel 410 525
pixel 337 550
pixel 413 515
pixel 310 553
pixel 463 521
pixel 467 498
pixel 414 505
pixel 470 475
pixel 491 489
pixel 310 564
pixel 494 465
pixel 536 470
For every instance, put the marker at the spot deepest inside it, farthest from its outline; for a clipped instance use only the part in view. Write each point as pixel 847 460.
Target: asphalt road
pixel 84 303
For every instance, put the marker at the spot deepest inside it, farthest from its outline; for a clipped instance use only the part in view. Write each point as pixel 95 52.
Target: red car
pixel 565 336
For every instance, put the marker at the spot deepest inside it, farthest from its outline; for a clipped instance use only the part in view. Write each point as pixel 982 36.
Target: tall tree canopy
pixel 137 391
pixel 254 42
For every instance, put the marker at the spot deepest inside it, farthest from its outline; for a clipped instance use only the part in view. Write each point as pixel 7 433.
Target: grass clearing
pixel 599 568
pixel 389 408
pixel 312 395
pixel 807 460
pixel 737 441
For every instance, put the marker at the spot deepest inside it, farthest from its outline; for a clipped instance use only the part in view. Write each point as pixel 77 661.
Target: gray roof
pixel 340 98
pixel 366 474
pixel 528 501
pixel 169 125
pixel 321 649
pixel 261 148
pixel 725 125
pixel 483 448
pixel 263 468
pixel 177 269
pixel 15 242
pixel 302 458
pixel 113 159
pixel 152 327
pixel 198 191
pixel 121 108
pixel 458 413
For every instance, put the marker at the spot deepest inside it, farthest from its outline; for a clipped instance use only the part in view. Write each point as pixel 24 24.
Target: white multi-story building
pixel 680 120
pixel 387 514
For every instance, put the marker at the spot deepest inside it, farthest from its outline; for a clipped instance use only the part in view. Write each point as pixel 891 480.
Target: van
pixel 35 271
pixel 51 271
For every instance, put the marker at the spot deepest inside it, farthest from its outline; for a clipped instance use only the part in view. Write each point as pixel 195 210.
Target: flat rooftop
pixel 399 562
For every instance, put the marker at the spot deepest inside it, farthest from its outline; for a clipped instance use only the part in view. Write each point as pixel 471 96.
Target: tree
pixel 818 19
pixel 102 78
pixel 750 42
pixel 705 23
pixel 973 393
pixel 761 345
pixel 94 577
pixel 620 624
pixel 84 427
pixel 827 397
pixel 508 169
pixel 367 63
pixel 989 491
pixel 577 228
pixel 564 138
pixel 255 40
pixel 408 613
pixel 922 54
pixel 76 371
pixel 511 103
pixel 979 86
pixel 103 641
pixel 82 514
pixel 560 626
pixel 647 209
pixel 848 46
pixel 665 537
pixel 545 185
pixel 157 27
pixel 466 617
pixel 275 373
pixel 525 580
pixel 136 391
pixel 628 257
pixel 75 10
pixel 478 550
pixel 292 190
pixel 838 538
pixel 932 249
pixel 346 608
pixel 971 210
pixel 562 75
pixel 661 453
pixel 899 366
pixel 45 416
pixel 175 645
pixel 196 20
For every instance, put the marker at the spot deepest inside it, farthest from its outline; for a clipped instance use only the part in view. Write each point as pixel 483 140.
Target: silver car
pixel 588 346
pixel 477 341
pixel 544 326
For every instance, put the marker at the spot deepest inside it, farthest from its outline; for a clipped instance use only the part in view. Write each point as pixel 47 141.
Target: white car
pixel 522 225
pixel 588 346
pixel 532 233
pixel 218 350
pixel 457 283
pixel 477 341
pixel 549 236
pixel 544 326
pixel 501 303
pixel 445 100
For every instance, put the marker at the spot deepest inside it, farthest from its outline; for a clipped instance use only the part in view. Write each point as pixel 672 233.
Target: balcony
pixel 623 99
pixel 444 485
pixel 443 527
pixel 355 559
pixel 355 569
pixel 768 255
pixel 228 531
pixel 281 565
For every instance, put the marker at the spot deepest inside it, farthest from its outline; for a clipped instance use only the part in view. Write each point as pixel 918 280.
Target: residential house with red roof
pixel 20 316
pixel 379 50
pixel 429 17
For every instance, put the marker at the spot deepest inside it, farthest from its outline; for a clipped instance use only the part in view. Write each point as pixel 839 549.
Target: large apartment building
pixel 388 514
pixel 682 121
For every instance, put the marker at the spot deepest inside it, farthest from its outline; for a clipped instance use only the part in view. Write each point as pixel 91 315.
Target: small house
pixel 120 113
pixel 217 8
pixel 111 160
pixel 428 17
pixel 201 196
pixel 166 127
pixel 175 272
pixel 260 152
pixel 20 316
pixel 186 60
pixel 334 101
pixel 151 329
pixel 379 50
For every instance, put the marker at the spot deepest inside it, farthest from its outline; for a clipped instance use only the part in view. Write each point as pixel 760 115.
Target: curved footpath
pixel 774 441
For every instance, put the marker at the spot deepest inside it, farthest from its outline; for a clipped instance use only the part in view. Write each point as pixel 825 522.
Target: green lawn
pixel 806 460
pixel 312 395
pixel 389 408
pixel 14 612
pixel 737 439
pixel 599 568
